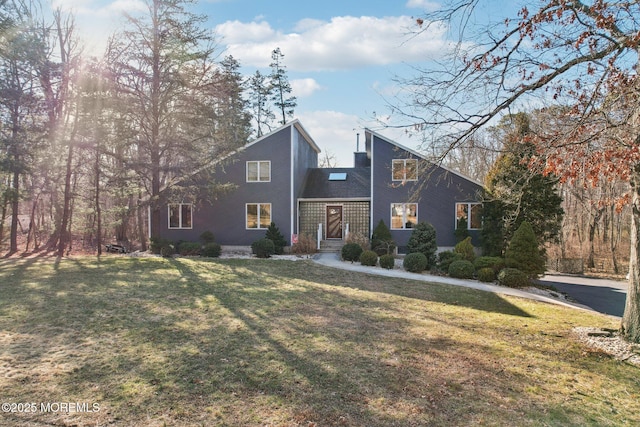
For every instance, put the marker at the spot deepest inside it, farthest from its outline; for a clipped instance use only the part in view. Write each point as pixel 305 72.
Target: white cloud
pixel 427 5
pixel 304 87
pixel 236 32
pixel 345 42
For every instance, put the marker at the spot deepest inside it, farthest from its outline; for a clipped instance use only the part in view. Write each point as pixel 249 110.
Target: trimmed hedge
pixel 211 250
pixel 387 261
pixel 351 252
pixel 461 269
pixel 415 262
pixel 513 278
pixel 486 274
pixel 369 258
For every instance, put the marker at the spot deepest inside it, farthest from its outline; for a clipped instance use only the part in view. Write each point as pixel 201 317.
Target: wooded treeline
pixel 593 219
pixel 87 145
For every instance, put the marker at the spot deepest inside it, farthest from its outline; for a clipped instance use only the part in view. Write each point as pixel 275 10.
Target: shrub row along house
pixel 277 179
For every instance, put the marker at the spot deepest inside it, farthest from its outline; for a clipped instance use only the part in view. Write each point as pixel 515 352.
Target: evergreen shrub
pixel 465 249
pixel 415 262
pixel 494 262
pixel 486 274
pixel 513 278
pixel 387 261
pixel 369 258
pixel 445 258
pixel 279 242
pixel 351 252
pixel 381 240
pixel 160 246
pixel 207 237
pixel 523 252
pixel 263 248
pixel 461 269
pixel 423 239
pixel 211 250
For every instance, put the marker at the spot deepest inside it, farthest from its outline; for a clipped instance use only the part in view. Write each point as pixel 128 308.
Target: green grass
pixel 185 342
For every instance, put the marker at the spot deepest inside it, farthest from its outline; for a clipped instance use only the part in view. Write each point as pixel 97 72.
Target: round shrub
pixel 263 248
pixel 461 269
pixel 351 252
pixel 189 248
pixel 445 259
pixel 494 262
pixel 387 261
pixel 486 274
pixel 369 258
pixel 415 262
pixel 513 278
pixel 211 250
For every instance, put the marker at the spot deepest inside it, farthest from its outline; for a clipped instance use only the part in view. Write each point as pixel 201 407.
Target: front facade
pixel 276 179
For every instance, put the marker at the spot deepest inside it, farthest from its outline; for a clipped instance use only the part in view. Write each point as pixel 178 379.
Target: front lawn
pixel 181 342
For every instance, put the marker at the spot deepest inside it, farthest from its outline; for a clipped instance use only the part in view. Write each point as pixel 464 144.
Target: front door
pixel 334 222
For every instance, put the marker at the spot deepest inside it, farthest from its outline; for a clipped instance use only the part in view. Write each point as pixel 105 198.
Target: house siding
pixel 436 193
pixel 225 216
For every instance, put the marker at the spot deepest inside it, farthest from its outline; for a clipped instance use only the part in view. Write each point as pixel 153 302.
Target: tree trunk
pixel 15 205
pixel 592 236
pixel 64 237
pixel 630 327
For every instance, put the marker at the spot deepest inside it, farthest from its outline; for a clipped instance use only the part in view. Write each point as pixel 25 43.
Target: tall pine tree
pixel 515 193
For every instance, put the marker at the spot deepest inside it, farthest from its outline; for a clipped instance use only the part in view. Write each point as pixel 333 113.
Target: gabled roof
pixel 421 156
pixel 295 123
pixel 356 185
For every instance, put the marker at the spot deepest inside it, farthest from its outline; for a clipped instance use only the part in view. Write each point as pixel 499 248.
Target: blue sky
pixel 341 56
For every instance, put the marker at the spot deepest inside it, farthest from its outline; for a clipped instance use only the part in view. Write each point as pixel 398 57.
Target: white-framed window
pixel 469 214
pixel 258 215
pixel 404 215
pixel 404 170
pixel 180 215
pixel 259 171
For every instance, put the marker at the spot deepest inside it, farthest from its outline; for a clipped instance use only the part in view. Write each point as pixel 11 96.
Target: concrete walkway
pixel 333 260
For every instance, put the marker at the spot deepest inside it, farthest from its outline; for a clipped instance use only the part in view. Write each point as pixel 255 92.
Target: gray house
pixel 277 179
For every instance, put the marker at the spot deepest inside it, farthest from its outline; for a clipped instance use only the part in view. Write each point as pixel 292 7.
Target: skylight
pixel 338 176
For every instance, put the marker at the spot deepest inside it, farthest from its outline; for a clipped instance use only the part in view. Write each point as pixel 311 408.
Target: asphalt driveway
pixel 602 295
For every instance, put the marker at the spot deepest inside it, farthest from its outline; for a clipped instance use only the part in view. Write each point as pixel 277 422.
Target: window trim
pixel 404 170
pixel 246 216
pixel 180 220
pixel 404 216
pixel 469 206
pixel 258 164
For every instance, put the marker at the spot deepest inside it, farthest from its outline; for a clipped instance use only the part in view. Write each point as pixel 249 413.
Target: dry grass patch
pixel 263 342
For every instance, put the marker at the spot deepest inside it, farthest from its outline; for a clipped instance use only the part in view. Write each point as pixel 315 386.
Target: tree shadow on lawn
pixel 222 342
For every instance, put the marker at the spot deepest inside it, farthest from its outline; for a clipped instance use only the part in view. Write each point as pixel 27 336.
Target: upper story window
pixel 180 215
pixel 405 170
pixel 404 215
pixel 469 214
pixel 259 171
